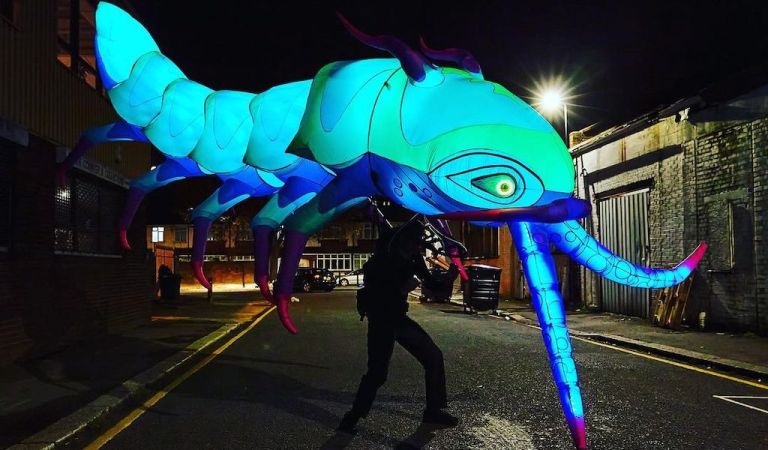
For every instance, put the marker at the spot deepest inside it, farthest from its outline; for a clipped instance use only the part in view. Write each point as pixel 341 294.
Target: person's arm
pixel 433 280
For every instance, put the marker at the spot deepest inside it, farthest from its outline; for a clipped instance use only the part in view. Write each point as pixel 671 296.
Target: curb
pixel 68 427
pixel 730 365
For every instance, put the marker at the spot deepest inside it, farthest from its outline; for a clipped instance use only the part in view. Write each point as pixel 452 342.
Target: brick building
pixel 62 274
pixel 694 171
pixel 343 246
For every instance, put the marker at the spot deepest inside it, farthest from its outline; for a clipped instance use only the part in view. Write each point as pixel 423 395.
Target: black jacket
pixel 387 281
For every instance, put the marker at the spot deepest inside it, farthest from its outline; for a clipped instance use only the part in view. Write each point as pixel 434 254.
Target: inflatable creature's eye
pixel 482 179
pixel 501 185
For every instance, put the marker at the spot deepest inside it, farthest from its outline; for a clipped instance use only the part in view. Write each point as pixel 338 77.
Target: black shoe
pixel 440 417
pixel 348 424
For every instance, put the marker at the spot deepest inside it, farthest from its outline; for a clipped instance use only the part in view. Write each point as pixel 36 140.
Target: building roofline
pixel 730 88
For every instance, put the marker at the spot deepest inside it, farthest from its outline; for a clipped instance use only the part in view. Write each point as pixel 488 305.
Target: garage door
pixel 624 230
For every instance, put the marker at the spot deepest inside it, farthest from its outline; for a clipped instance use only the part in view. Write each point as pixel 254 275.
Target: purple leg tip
pixel 578 432
pixel 124 240
pixel 200 275
pixel 694 258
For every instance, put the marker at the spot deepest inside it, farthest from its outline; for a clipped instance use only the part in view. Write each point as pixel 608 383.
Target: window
pixel 86 213
pixel 158 234
pixel 180 235
pixel 216 233
pixel 481 242
pixel 75 30
pixel 243 232
pixel 331 232
pixel 358 260
pixel 369 231
pixel 334 261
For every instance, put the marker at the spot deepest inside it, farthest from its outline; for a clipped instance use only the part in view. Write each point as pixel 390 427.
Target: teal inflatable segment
pixel 228 123
pixel 345 81
pixel 277 116
pixel 120 41
pixel 139 98
pixel 178 127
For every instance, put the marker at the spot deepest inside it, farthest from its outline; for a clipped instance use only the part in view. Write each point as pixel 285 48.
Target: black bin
pixel 481 292
pixel 170 285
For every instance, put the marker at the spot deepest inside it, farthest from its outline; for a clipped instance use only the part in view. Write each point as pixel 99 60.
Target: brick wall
pixel 48 299
pixel 707 182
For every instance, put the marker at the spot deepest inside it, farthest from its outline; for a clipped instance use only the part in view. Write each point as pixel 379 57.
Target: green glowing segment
pixel 334 131
pixel 500 185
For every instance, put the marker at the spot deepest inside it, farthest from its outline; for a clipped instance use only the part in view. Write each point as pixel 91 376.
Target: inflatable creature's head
pixel 467 147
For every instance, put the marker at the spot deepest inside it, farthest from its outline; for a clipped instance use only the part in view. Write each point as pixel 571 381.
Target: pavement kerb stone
pixel 141 385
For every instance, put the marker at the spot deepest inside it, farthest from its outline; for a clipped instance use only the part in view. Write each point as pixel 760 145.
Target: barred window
pixel 86 213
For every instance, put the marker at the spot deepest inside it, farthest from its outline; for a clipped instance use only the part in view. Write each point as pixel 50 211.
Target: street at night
pixel 271 390
pixel 373 225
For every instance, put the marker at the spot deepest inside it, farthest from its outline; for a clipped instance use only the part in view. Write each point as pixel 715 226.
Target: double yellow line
pixel 136 413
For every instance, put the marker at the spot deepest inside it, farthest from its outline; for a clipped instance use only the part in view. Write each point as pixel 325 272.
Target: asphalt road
pixel 272 390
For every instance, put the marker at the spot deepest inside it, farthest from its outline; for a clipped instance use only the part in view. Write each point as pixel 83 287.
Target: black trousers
pixel 382 335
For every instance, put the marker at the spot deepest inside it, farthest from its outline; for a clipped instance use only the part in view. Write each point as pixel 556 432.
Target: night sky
pixel 620 58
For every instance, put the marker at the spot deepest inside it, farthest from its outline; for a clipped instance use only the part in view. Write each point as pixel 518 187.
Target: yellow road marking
pixel 667 361
pixel 136 413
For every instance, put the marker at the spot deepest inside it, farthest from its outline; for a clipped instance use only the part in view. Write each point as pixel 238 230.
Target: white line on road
pixel 730 398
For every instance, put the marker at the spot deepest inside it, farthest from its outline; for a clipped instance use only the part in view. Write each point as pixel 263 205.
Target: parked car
pixel 352 278
pixel 308 279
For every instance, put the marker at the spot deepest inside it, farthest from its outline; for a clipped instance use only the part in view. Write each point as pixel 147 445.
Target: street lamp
pixel 550 101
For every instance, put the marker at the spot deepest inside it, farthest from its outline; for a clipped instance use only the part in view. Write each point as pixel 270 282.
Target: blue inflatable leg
pixel 167 172
pixel 113 132
pixel 532 244
pixel 297 192
pixel 235 188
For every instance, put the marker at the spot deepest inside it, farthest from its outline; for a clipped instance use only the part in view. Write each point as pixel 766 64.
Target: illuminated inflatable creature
pixel 440 141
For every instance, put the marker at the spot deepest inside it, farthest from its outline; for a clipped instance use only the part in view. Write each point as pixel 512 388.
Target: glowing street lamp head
pixel 552 100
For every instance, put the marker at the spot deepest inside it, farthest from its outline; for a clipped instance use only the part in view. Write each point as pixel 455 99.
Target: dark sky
pixel 621 58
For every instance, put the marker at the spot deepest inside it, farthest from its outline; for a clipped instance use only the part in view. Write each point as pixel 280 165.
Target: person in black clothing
pixel 388 277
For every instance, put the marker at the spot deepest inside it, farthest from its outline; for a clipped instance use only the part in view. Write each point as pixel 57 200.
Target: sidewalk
pixel 744 353
pixel 84 381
